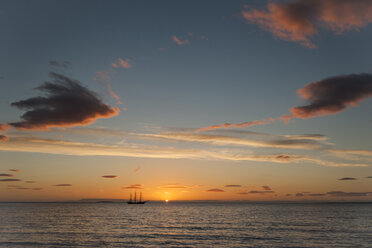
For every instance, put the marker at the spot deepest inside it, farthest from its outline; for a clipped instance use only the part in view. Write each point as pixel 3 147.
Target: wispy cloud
pixel 238 125
pixel 261 192
pixel 348 194
pixel 215 190
pixel 15 170
pixel 179 41
pixel 137 169
pixel 63 185
pixel 109 176
pixel 300 20
pixel 67 103
pixel 174 186
pixel 65 147
pixel 279 142
pixel 133 186
pixel 122 63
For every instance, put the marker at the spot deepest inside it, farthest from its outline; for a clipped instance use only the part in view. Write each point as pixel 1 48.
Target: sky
pixel 186 100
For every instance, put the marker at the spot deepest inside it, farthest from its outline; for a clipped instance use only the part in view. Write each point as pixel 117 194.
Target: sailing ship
pixel 134 201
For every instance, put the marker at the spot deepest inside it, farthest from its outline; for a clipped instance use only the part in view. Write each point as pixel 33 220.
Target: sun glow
pixel 166 201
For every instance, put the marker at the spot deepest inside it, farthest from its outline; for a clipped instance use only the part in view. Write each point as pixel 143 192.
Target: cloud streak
pixel 215 190
pixel 66 103
pixel 238 125
pixel 3 138
pixel 299 20
pixel 109 176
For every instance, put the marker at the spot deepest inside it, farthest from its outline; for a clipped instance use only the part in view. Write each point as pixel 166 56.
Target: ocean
pixel 186 225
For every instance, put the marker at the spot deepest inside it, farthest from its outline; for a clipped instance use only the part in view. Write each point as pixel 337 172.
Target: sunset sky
pixel 186 100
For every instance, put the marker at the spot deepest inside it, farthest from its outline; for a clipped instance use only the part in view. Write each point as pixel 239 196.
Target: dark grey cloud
pixel 317 194
pixel 10 180
pixel 6 175
pixel 266 187
pixel 30 182
pixel 65 103
pixel 333 95
pixel 351 194
pixel 347 179
pixel 110 176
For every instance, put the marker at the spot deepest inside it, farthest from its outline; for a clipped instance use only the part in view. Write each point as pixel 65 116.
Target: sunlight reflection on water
pixel 185 225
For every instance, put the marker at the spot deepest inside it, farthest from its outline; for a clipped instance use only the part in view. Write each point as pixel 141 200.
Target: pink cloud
pixel 178 41
pixel 238 125
pixel 122 63
pixel 300 20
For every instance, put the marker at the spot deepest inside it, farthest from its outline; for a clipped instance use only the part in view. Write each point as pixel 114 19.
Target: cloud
pixel 299 20
pixel 37 188
pixel 15 170
pixel 261 192
pixel 30 182
pixel 103 77
pixel 3 138
pixel 6 175
pixel 10 180
pixel 178 41
pixel 232 186
pixel 4 127
pixel 67 103
pixel 266 187
pixel 215 190
pixel 174 186
pixel 280 142
pixel 133 186
pixel 299 194
pixel 238 125
pixel 64 64
pixel 63 185
pixel 138 168
pixel 316 194
pixel 347 179
pixel 243 192
pixel 110 176
pixel 122 63
pixel 351 194
pixel 333 95
pixel 369 177
pixel 65 147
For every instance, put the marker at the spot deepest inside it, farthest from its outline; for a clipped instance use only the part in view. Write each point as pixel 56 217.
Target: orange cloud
pixel 174 186
pixel 15 170
pixel 63 185
pixel 66 103
pixel 122 63
pixel 178 41
pixel 4 127
pixel 238 125
pixel 137 169
pixel 104 78
pixel 299 20
pixel 266 187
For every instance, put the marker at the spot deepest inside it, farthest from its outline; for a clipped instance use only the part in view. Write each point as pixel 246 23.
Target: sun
pixel 166 201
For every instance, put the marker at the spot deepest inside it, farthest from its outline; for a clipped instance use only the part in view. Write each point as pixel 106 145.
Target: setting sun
pixel 166 201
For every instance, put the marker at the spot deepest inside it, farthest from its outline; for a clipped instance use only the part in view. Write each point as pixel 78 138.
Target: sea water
pixel 186 225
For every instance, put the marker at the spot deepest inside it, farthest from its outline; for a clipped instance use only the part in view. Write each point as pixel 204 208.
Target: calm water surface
pixel 185 225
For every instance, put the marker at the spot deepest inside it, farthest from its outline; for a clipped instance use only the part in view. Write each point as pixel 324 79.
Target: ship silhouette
pixel 134 201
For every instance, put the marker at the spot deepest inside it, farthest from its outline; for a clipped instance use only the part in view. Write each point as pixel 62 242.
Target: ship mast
pixel 140 196
pixel 130 198
pixel 135 197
